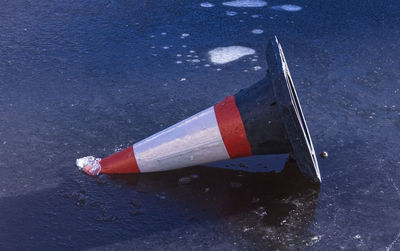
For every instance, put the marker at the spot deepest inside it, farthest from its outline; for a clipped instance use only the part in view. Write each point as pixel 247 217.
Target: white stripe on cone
pixel 193 141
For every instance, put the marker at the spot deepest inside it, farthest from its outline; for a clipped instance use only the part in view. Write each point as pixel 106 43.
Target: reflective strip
pixel 232 129
pixel 120 162
pixel 193 141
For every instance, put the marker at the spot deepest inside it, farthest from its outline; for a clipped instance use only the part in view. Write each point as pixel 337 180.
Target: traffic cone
pixel 265 118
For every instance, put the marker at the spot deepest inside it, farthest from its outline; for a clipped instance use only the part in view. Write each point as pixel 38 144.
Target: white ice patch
pixel 287 7
pixel 231 13
pixel 257 31
pixel 245 3
pixel 207 5
pixel 257 68
pixel 255 16
pixel 185 34
pixel 223 55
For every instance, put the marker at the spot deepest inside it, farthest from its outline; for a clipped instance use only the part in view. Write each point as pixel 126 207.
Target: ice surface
pixel 245 3
pixel 223 55
pixel 89 164
pixel 257 31
pixel 287 7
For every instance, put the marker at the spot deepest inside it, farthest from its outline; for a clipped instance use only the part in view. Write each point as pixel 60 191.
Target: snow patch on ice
pixel 245 3
pixel 223 55
pixel 207 5
pixel 231 13
pixel 287 7
pixel 257 31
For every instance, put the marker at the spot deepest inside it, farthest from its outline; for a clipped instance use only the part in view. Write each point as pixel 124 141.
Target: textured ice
pixel 223 55
pixel 257 31
pixel 287 7
pixel 89 164
pixel 245 3
pixel 207 5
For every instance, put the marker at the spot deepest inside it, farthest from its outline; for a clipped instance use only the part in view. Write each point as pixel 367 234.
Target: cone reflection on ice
pixel 265 118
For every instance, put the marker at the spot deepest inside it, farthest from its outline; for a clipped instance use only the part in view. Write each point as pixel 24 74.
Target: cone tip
pixel 89 165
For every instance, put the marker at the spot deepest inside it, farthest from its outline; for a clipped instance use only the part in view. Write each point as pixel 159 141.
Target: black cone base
pixel 291 114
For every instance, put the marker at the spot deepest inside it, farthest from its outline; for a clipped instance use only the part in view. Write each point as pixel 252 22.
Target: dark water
pixel 81 78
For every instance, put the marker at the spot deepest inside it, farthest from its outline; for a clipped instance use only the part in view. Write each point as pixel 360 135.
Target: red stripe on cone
pixel 120 162
pixel 232 129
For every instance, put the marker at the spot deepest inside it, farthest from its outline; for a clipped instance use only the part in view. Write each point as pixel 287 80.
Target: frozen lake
pixel 82 78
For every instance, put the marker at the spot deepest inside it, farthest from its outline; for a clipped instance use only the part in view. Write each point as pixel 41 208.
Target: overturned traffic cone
pixel 265 118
